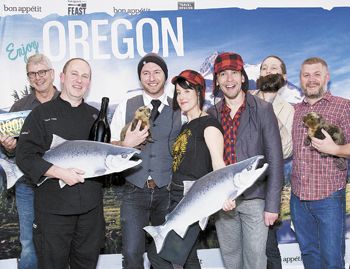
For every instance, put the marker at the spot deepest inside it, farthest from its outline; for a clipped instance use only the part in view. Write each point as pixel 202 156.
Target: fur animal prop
pixel 143 114
pixel 315 123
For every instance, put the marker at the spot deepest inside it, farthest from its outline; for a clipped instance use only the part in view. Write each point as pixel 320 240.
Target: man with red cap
pixel 250 129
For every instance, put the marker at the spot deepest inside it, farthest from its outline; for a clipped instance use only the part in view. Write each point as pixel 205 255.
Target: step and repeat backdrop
pixel 114 34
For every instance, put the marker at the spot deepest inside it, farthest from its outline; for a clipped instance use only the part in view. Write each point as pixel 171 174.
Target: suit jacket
pixel 258 134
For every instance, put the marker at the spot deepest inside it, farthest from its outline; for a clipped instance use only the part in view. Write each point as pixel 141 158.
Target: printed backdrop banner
pixel 113 37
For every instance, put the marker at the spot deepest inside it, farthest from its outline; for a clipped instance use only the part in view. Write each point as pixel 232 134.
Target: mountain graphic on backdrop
pixel 289 92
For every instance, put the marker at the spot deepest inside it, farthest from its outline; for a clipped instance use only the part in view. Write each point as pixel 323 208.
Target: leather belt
pixel 151 184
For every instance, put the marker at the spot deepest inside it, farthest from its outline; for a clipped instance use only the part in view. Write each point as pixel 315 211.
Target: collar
pixel 327 96
pixel 67 104
pixel 32 96
pixel 147 99
pixel 226 109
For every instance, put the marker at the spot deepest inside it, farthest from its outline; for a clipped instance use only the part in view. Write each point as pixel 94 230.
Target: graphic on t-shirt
pixel 179 148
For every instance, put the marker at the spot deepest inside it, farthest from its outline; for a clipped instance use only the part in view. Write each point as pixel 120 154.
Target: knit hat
pixel 152 58
pixel 229 61
pixel 192 77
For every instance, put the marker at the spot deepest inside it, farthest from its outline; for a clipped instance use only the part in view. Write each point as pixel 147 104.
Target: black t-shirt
pixel 191 156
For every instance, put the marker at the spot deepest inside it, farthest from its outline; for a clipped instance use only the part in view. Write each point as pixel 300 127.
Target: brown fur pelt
pixel 315 123
pixel 143 114
pixel 270 83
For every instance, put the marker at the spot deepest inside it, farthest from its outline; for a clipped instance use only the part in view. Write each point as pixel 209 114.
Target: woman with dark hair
pixel 196 151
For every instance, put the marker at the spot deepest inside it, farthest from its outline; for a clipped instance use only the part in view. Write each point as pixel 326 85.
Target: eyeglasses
pixel 40 73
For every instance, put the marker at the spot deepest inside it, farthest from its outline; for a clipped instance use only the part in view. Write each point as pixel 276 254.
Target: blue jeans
pixel 139 208
pixel 25 209
pixel 320 230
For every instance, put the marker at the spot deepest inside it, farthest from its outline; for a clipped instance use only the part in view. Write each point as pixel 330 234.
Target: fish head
pixel 122 158
pixel 250 173
pixel 252 163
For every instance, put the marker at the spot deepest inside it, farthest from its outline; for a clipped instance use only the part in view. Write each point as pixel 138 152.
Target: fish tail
pixel 156 233
pixel 12 172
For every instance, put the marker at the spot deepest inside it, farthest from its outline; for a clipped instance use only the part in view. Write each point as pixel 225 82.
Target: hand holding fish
pixel 8 142
pixel 228 205
pixel 135 137
pixel 270 218
pixel 70 176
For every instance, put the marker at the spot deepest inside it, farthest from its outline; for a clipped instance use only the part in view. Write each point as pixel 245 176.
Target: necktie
pixel 155 113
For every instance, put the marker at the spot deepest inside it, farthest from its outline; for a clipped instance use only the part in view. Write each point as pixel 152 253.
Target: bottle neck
pixel 104 108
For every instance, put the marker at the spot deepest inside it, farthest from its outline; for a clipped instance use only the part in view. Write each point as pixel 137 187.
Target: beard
pixel 315 95
pixel 270 83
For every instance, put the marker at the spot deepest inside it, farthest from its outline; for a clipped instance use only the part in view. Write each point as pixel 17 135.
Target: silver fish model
pixel 94 158
pixel 206 196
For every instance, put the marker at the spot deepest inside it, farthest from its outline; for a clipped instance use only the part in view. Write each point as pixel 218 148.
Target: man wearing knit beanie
pixel 146 198
pixel 250 128
pixel 153 58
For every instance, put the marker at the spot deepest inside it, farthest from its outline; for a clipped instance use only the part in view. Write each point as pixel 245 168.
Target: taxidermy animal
pixel 315 123
pixel 143 114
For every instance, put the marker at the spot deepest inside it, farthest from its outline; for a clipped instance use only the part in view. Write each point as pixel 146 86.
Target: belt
pixel 151 184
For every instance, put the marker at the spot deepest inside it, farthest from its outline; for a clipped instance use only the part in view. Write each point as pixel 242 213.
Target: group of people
pixel 67 225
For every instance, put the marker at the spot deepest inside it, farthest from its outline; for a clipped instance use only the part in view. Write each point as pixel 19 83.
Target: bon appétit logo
pixel 22 9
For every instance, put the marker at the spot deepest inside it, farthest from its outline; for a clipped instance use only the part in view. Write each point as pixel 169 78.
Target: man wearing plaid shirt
pixel 318 185
pixel 250 129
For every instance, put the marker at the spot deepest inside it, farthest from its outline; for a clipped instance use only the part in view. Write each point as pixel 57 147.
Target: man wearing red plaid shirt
pixel 250 128
pixel 318 185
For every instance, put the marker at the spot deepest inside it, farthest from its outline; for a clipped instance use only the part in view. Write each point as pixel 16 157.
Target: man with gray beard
pixel 318 186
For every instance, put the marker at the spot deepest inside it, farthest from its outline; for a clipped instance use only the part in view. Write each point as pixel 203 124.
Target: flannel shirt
pixel 315 177
pixel 230 127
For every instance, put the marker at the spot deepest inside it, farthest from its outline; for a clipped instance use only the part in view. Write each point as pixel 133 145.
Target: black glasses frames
pixel 40 73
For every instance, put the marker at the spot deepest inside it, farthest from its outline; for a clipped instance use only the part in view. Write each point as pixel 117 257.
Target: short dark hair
pixel 283 65
pixel 64 70
pixel 186 85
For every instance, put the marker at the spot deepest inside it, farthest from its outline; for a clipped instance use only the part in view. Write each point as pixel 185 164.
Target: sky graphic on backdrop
pixel 294 34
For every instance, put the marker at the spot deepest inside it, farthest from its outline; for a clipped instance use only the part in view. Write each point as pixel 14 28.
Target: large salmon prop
pixel 206 196
pixel 95 158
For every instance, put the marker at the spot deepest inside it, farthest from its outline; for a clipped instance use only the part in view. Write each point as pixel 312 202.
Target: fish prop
pixel 94 158
pixel 205 196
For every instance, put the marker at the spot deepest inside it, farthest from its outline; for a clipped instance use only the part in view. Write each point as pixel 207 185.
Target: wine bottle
pixel 100 130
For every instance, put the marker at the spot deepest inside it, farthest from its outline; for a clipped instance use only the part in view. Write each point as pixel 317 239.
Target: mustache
pixel 270 83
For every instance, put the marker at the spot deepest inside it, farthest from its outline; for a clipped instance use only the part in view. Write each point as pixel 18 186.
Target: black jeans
pixel 272 251
pixel 177 250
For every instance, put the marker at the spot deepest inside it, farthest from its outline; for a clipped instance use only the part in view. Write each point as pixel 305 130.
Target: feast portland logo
pixel 76 7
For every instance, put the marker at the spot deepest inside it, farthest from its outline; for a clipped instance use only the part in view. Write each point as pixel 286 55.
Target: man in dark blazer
pixel 250 129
